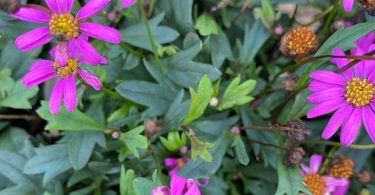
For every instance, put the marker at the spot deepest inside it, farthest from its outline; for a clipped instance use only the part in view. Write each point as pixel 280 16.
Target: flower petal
pixel 56 96
pixel 192 188
pixel 351 126
pixel 91 8
pixel 328 77
pixel 317 86
pixel 333 183
pixel 325 95
pixel 365 42
pixel 336 120
pixel 61 54
pixel 348 5
pixel 90 79
pixel 341 190
pixel 30 14
pixel 315 162
pixel 127 3
pixel 33 39
pixel 325 107
pixel 39 72
pixel 101 32
pixel 369 121
pixel 177 184
pixel 170 162
pixel 70 93
pixel 60 6
pixel 341 62
pixel 161 190
pixel 173 171
pixel 88 52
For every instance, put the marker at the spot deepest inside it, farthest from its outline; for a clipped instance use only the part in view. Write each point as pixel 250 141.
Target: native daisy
pixel 66 69
pixel 179 186
pixel 349 95
pixel 63 25
pixel 316 183
pixel 175 164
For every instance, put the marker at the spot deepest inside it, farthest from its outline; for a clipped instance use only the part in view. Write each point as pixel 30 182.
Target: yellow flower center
pixel 343 169
pixel 301 41
pixel 315 183
pixel 64 71
pixel 64 24
pixel 359 92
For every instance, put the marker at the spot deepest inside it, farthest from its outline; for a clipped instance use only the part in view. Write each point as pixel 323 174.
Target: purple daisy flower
pixel 66 69
pixel 348 5
pixel 349 95
pixel 127 3
pixel 179 186
pixel 175 164
pixel 316 183
pixel 61 23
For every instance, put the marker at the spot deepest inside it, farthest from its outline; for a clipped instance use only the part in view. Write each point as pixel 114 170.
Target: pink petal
pixel 328 77
pixel 101 32
pixel 317 86
pixel 33 39
pixel 348 5
pixel 90 79
pixel 170 162
pixel 127 3
pixel 315 162
pixel 70 93
pixel 177 184
pixel 325 107
pixel 333 183
pixel 192 188
pixel 351 126
pixel 325 95
pixel 160 190
pixel 61 54
pixel 369 121
pixel 341 62
pixel 30 14
pixel 173 171
pixel 91 8
pixel 341 190
pixel 60 6
pixel 365 42
pixel 336 120
pixel 305 170
pixel 88 53
pixel 56 96
pixel 40 72
pixel 359 68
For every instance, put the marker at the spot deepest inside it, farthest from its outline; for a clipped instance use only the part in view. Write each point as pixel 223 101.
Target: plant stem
pixel 157 163
pixel 354 62
pixel 328 159
pixel 263 143
pixel 133 51
pixel 160 66
pixel 338 144
pixel 18 117
pixel 272 128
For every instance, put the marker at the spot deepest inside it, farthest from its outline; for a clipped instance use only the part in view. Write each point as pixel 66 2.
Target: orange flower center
pixel 301 41
pixel 344 169
pixel 64 71
pixel 180 162
pixel 65 25
pixel 315 183
pixel 359 92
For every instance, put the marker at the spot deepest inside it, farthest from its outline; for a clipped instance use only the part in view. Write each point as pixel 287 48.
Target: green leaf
pixel 175 141
pixel 50 160
pixel 126 181
pixel 72 121
pixel 5 77
pixel 266 14
pixel 220 48
pixel 143 186
pixel 237 94
pixel 240 150
pixel 200 148
pixel 206 25
pixel 199 100
pixel 18 97
pixel 296 108
pixel 176 112
pixel 179 12
pixel 133 140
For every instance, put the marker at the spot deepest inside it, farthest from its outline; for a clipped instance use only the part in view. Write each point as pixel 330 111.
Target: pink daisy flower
pixel 349 95
pixel 316 183
pixel 348 5
pixel 175 164
pixel 61 23
pixel 179 186
pixel 127 3
pixel 66 69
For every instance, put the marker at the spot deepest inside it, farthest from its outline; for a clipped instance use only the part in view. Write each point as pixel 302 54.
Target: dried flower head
pixel 364 176
pixel 369 6
pixel 298 42
pixel 290 81
pixel 341 167
pixel 294 157
pixel 152 127
pixel 299 130
pixel 10 6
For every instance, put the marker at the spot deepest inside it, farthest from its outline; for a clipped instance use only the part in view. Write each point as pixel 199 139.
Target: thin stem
pixel 358 58
pixel 131 50
pixel 157 163
pixel 354 62
pixel 160 66
pixel 338 144
pixel 328 159
pixel 272 128
pixel 18 117
pixel 243 8
pixel 263 143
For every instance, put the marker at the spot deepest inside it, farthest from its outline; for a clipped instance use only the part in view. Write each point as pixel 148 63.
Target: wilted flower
pixel 348 5
pixel 364 176
pixel 369 6
pixel 61 23
pixel 127 3
pixel 316 183
pixel 341 167
pixel 298 42
pixel 66 69
pixel 179 186
pixel 175 164
pixel 290 81
pixel 350 95
pixel 10 6
pixel 294 157
pixel 298 130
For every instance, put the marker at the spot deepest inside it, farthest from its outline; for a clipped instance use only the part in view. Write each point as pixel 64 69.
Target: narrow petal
pixel 341 62
pixel 90 79
pixel 315 162
pixel 305 170
pixel 56 96
pixel 170 162
pixel 336 120
pixel 60 6
pixel 317 86
pixel 91 8
pixel 30 14
pixel 61 54
pixel 333 183
pixel 177 184
pixel 33 39
pixel 325 95
pixel 325 107
pixel 173 171
pixel 328 77
pixel 369 121
pixel 70 93
pixel 127 3
pixel 88 52
pixel 192 188
pixel 365 42
pixel 341 190
pixel 101 32
pixel 40 72
pixel 351 126
pixel 359 68
pixel 348 5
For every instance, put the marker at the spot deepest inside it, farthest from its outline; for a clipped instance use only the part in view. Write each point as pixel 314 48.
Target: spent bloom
pixel 316 183
pixel 341 167
pixel 179 186
pixel 298 42
pixel 348 5
pixel 349 95
pixel 175 164
pixel 66 69
pixel 63 25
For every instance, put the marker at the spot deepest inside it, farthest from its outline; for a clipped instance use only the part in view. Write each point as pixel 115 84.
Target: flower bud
pixel 214 102
pixel 298 130
pixel 290 81
pixel 298 42
pixel 364 176
pixel 294 157
pixel 235 130
pixel 10 6
pixel 115 134
pixel 153 127
pixel 369 6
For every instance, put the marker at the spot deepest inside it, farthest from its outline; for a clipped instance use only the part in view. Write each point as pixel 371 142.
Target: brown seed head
pixel 364 176
pixel 298 42
pixel 341 167
pixel 294 157
pixel 10 6
pixel 290 81
pixel 298 130
pixel 369 6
